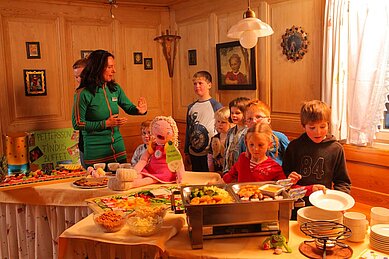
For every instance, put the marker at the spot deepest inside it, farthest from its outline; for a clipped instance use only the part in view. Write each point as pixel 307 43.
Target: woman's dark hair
pixel 92 75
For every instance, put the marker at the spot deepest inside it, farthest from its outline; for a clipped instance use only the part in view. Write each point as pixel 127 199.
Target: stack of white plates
pixel 379 237
pixel 312 213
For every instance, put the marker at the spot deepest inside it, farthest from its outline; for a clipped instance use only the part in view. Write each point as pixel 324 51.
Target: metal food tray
pixel 202 217
pixel 237 186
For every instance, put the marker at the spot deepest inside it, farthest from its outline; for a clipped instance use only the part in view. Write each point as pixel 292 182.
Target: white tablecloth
pixel 32 218
pixel 32 231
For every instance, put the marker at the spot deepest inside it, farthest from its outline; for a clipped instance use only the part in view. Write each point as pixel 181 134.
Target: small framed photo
pixel 138 58
pixel 235 67
pixel 148 63
pixel 33 50
pixel 35 82
pixel 85 53
pixel 192 57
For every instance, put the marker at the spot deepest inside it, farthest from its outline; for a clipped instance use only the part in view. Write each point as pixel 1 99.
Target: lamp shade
pixel 245 30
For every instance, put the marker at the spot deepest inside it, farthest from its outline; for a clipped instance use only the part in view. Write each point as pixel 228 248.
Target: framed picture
pixel 85 53
pixel 148 65
pixel 35 82
pixel 33 50
pixel 192 57
pixel 235 67
pixel 138 58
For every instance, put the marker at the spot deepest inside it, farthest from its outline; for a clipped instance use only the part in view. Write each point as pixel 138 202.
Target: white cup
pixel 99 165
pixel 358 224
pixel 125 165
pixel 379 215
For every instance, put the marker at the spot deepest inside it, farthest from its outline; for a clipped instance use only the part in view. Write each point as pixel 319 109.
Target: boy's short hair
pixel 205 74
pixel 222 114
pixel 145 124
pixel 313 111
pixel 261 106
pixel 80 63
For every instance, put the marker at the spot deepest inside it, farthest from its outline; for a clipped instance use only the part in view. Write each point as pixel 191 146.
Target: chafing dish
pixel 239 218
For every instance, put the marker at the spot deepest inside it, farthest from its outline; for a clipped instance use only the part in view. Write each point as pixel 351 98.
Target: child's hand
pixel 317 187
pixel 295 177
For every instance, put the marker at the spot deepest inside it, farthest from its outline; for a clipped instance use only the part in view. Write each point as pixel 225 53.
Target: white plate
pixel 333 200
pixel 98 181
pixel 381 230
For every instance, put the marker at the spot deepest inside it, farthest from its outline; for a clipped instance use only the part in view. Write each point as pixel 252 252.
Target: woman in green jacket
pixel 96 109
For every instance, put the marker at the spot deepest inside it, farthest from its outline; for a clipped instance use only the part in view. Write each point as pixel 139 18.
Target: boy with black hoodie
pixel 316 159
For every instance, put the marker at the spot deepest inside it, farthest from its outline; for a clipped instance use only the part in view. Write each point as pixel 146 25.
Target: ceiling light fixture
pixel 249 29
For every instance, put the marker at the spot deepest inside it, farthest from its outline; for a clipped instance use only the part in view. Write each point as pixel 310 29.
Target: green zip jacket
pixel 90 111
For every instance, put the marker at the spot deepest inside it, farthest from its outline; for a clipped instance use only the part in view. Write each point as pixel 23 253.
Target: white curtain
pixel 335 64
pixel 355 62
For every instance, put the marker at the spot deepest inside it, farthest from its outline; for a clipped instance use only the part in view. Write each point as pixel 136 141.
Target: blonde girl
pixel 218 142
pixel 254 165
pixel 235 136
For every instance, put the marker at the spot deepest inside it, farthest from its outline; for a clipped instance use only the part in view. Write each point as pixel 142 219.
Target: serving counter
pixel 78 243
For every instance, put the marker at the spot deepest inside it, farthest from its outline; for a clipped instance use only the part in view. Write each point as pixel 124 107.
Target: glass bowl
pixel 144 226
pixel 110 221
pixel 152 211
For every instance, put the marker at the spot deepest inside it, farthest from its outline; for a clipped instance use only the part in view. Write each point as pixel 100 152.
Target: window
pixel 382 136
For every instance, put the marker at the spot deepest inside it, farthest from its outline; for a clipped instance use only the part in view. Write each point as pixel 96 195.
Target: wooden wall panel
pixel 294 82
pixel 26 112
pixel 195 35
pixel 147 83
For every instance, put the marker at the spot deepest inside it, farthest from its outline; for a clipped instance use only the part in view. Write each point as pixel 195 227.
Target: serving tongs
pixel 286 183
pixel 297 194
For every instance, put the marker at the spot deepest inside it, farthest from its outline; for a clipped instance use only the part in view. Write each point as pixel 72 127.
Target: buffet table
pixel 77 242
pixel 32 218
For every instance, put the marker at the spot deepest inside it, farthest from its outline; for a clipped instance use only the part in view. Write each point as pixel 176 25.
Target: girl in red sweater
pixel 254 165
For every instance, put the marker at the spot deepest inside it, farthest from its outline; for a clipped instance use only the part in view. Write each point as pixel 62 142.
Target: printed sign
pixel 49 148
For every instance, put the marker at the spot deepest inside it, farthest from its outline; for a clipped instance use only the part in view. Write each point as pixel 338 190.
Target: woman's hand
pixel 295 177
pixel 142 105
pixel 114 121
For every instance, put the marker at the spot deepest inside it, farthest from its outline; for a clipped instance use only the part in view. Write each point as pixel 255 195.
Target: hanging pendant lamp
pixel 249 29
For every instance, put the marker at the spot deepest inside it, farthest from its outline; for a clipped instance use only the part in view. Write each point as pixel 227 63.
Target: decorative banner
pixel 49 148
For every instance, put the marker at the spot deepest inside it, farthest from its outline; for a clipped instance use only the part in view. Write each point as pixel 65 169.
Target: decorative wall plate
pixel 294 43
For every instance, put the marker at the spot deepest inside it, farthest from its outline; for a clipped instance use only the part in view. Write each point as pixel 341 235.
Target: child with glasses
pixel 258 112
